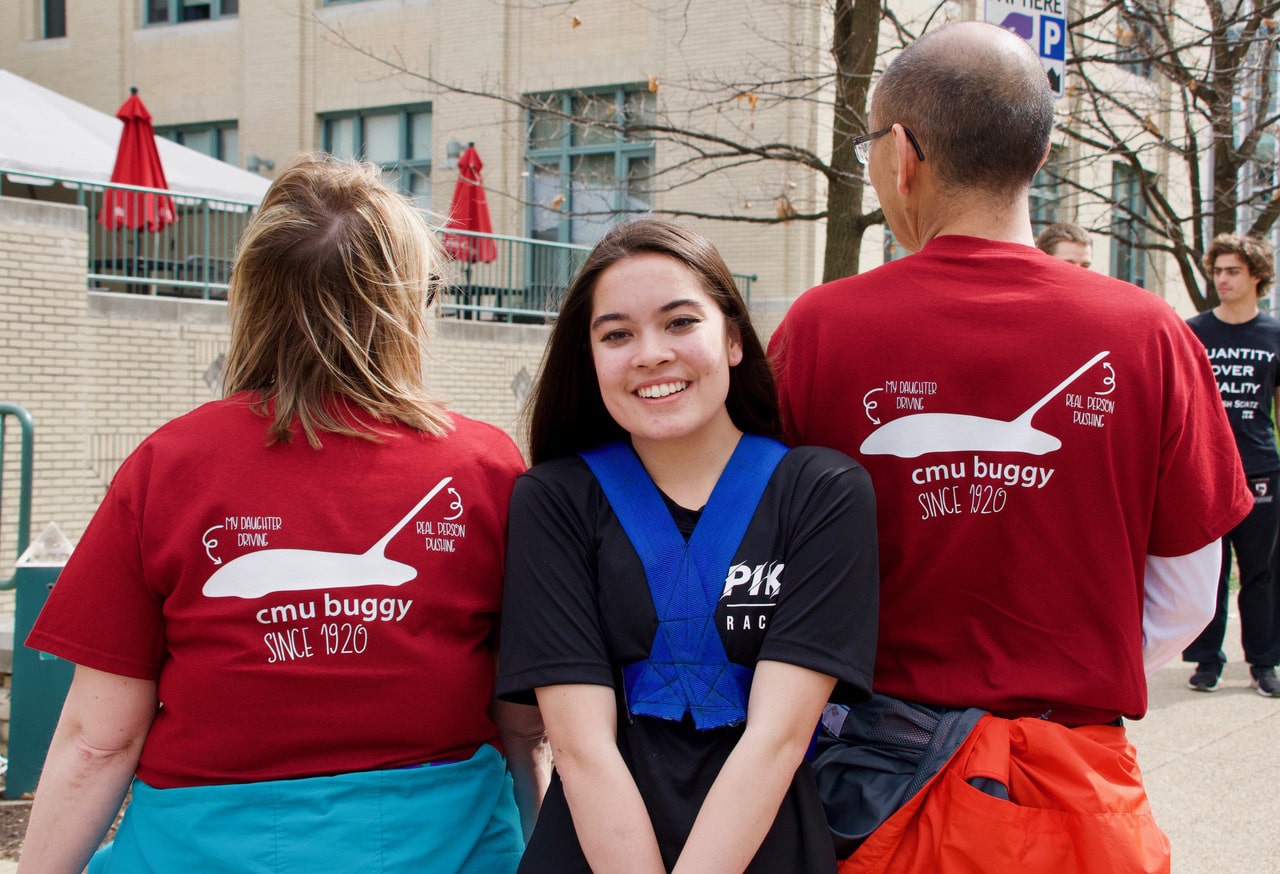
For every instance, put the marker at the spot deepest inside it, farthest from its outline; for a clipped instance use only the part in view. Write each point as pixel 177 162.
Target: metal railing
pixel 523 281
pixel 26 456
pixel 497 278
pixel 189 257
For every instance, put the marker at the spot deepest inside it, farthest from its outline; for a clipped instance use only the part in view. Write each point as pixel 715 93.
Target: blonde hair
pixel 1062 232
pixel 329 302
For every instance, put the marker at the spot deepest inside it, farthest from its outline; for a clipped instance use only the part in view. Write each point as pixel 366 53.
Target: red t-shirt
pixel 1033 431
pixel 305 612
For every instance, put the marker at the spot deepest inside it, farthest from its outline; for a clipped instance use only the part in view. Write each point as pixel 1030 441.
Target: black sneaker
pixel 1265 682
pixel 1205 679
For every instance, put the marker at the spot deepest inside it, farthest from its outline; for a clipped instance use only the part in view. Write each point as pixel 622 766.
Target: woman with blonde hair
pixel 283 614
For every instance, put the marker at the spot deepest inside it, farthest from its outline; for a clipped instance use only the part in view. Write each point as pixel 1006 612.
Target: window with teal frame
pixel 396 138
pixel 175 11
pixel 586 166
pixel 53 15
pixel 1128 215
pixel 217 139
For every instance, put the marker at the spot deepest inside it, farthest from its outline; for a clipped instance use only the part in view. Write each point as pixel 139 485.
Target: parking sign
pixel 1043 24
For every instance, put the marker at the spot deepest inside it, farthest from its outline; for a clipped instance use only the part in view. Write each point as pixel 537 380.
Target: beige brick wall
pixel 484 370
pixel 99 371
pixel 42 250
pixel 93 382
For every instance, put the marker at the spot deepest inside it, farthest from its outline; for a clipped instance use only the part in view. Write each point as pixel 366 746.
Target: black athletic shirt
pixel 1245 359
pixel 802 589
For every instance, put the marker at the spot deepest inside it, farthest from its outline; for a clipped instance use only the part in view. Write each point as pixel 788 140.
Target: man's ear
pixel 1048 149
pixel 908 162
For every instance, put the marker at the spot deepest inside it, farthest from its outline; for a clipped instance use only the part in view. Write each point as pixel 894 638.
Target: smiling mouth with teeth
pixel 662 390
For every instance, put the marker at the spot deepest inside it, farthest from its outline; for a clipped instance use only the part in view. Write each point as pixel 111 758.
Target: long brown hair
pixel 567 413
pixel 329 305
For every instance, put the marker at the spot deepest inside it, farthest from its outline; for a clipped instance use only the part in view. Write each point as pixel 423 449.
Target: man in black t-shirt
pixel 1244 348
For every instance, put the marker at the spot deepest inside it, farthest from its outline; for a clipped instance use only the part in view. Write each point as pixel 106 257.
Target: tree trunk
pixel 853 46
pixel 1226 162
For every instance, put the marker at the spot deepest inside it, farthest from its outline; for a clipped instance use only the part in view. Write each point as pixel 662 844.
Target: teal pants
pixel 456 818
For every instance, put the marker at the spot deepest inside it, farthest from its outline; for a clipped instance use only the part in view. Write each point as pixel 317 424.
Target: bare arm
pixel 528 757
pixel 786 702
pixel 91 761
pixel 608 813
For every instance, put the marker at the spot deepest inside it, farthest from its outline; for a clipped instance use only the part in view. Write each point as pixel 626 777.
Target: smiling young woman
pixel 662 351
pixel 685 593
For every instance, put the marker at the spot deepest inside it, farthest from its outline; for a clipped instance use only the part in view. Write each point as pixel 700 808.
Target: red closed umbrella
pixel 137 163
pixel 469 211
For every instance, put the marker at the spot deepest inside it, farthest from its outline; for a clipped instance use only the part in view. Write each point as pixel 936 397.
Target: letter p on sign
pixel 1053 43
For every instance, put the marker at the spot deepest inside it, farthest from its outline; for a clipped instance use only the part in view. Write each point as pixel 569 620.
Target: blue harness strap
pixel 687 670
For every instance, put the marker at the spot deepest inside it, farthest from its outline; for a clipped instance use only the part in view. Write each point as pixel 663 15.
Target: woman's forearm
pixel 740 808
pixel 80 792
pixel 524 741
pixel 608 813
pixel 786 702
pixel 91 761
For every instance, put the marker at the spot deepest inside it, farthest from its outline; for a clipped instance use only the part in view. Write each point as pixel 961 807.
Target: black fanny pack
pixel 872 758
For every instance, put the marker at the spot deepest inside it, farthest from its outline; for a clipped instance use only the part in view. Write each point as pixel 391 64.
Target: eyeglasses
pixel 862 144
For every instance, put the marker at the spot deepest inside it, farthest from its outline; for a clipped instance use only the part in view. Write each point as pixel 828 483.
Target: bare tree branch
pixel 708 131
pixel 1211 79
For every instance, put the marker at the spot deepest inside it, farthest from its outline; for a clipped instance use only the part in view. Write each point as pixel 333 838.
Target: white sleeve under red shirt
pixel 1180 594
pixel 1033 432
pixel 304 612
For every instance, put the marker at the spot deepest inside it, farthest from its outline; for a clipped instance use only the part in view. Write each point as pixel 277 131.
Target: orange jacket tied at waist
pixel 1076 804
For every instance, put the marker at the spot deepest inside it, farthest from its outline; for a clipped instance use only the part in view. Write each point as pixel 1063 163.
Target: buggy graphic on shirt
pixel 925 433
pixel 268 571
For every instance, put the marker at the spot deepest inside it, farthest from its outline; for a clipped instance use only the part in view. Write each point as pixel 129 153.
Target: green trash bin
pixel 40 681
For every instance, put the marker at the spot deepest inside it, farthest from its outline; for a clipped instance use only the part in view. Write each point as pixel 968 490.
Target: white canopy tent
pixel 44 132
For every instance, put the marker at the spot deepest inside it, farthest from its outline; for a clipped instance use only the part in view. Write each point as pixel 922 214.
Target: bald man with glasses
pixel 1053 471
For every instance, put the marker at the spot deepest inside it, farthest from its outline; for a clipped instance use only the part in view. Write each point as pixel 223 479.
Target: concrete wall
pixel 42 257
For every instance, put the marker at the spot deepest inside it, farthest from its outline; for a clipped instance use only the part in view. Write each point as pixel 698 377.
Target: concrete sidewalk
pixel 1210 763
